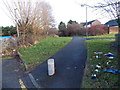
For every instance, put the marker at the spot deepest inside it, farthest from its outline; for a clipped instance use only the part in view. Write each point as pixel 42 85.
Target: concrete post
pixel 51 67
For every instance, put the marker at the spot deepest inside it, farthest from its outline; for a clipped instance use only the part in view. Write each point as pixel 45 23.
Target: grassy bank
pixel 103 79
pixel 40 52
pixel 6 58
pixel 101 36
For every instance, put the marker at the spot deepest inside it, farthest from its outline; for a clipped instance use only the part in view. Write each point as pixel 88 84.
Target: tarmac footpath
pixel 69 67
pixel 13 76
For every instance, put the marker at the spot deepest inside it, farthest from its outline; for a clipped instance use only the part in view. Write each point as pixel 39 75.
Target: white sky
pixel 63 10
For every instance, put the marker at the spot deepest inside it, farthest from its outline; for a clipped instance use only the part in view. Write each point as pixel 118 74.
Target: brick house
pixel 91 23
pixel 113 26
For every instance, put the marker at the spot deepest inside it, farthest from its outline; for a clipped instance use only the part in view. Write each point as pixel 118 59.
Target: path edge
pixel 30 74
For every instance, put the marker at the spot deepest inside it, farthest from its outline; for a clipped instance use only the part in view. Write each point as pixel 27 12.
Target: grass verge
pixel 40 52
pixel 104 79
pixel 6 58
pixel 102 36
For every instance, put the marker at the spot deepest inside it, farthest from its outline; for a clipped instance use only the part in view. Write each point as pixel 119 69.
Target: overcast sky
pixel 63 10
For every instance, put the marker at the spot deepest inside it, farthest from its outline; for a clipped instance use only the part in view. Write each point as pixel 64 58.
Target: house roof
pixel 88 23
pixel 111 23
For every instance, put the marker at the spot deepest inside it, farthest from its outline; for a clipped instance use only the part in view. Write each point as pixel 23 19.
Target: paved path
pixel 100 38
pixel 70 64
pixel 13 76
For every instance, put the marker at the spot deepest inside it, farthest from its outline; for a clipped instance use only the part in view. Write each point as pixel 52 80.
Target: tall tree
pixel 74 28
pixel 71 22
pixel 32 18
pixel 62 29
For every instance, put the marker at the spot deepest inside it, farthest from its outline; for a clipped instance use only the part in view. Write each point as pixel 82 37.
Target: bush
pixel 29 36
pixel 62 29
pixel 8 31
pixel 52 32
pixel 72 29
pixel 97 30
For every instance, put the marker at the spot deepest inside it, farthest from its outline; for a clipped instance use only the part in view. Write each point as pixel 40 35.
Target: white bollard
pixel 51 67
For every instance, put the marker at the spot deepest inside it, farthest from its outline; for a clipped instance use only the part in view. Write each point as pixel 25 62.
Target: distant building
pixel 91 23
pixel 113 26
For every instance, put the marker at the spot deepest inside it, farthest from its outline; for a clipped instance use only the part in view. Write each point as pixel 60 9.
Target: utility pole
pixel 86 23
pixel 83 5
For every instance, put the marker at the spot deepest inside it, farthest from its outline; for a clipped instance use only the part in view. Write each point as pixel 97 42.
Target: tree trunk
pixel 117 37
pixel 119 28
pixel 118 21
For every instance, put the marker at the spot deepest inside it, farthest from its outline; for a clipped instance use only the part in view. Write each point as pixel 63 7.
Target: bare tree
pixel 32 19
pixel 46 16
pixel 110 8
pixel 74 28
